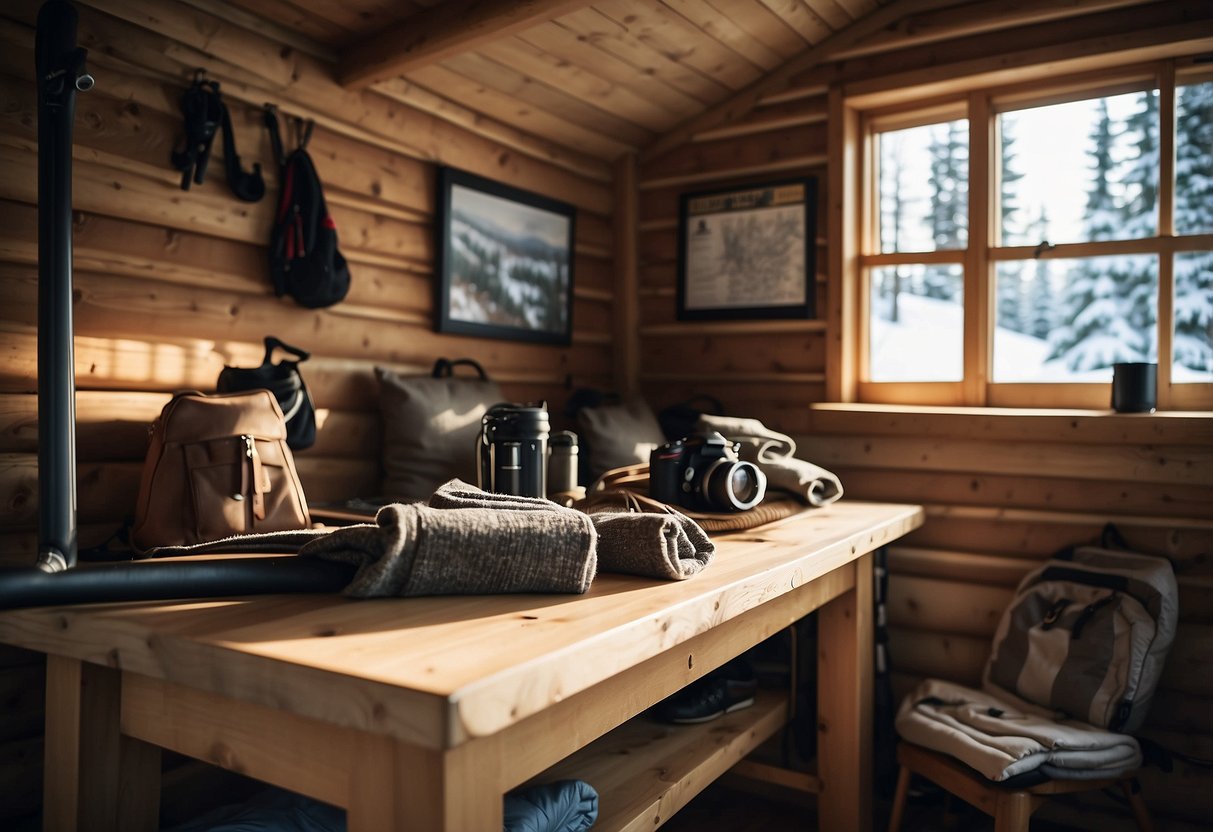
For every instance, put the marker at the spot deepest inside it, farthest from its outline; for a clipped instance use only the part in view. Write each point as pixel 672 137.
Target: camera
pixel 703 472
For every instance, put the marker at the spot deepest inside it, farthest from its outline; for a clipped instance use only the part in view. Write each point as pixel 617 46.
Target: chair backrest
pixel 1087 634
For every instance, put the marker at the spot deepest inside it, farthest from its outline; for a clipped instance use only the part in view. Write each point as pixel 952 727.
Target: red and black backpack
pixel 304 260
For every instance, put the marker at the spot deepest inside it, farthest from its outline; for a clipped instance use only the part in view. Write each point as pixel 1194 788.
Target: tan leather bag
pixel 217 466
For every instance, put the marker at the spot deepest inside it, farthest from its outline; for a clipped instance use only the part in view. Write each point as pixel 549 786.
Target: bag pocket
pixel 240 485
pixel 220 488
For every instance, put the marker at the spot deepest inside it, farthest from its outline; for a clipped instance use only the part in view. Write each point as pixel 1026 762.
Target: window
pixel 1019 242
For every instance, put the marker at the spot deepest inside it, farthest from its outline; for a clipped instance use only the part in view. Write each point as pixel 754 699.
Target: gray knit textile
pixel 774 454
pixel 417 549
pixel 670 545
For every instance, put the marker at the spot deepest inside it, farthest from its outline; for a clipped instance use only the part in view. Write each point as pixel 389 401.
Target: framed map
pixel 748 252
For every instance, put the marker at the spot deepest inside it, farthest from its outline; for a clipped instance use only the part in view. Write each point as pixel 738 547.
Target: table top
pixel 463 665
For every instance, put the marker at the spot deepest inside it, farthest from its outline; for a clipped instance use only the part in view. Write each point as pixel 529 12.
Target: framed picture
pixel 748 252
pixel 505 261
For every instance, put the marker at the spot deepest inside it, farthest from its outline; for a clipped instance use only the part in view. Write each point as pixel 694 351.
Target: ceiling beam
pixel 440 31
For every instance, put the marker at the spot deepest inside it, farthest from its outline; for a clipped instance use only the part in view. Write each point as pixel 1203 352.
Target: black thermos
pixel 512 454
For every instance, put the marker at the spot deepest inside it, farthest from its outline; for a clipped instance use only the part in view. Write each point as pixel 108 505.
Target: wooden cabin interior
pixel 619 108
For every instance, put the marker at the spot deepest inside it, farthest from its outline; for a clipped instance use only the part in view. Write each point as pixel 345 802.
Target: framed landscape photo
pixel 505 261
pixel 748 252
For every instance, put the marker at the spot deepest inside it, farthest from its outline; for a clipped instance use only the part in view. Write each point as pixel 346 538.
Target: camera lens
pixel 743 484
pixel 734 486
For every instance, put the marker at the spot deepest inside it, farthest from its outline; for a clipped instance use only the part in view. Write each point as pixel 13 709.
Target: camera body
pixel 702 472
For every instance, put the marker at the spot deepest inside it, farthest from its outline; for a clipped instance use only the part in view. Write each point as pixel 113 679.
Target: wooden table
pixel 420 713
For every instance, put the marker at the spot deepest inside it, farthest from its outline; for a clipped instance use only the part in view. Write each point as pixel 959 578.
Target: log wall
pixel 171 285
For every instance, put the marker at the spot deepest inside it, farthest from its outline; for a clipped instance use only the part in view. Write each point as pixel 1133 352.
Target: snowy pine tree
pixel 1097 331
pixel 1041 314
pixel 1193 343
pixel 1138 276
pixel 891 211
pixel 1012 296
pixel 949 211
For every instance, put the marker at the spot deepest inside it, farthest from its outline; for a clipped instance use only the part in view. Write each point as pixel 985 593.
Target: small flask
pixel 562 462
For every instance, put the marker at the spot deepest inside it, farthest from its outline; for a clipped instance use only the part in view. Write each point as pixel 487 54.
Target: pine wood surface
pixel 464 656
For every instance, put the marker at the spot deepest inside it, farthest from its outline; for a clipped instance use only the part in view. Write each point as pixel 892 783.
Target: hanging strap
pixel 302 129
pixel 272 343
pixel 249 187
pixel 445 368
pixel 270 117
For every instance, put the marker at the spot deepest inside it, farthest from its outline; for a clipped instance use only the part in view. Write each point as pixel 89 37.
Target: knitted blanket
pixel 1001 741
pixel 468 541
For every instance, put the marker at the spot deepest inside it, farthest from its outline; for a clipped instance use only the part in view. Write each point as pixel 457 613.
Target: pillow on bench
pixel 430 429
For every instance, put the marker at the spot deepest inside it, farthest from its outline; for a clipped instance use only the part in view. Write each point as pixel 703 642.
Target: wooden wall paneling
pixel 788 352
pixel 967 567
pixel 18 423
pixel 1024 492
pixel 505 133
pixel 1189 665
pixel 1172 710
pixel 659 203
pixel 1181 464
pixel 303 85
pixel 103 363
pixel 332 479
pixel 658 316
pixel 19 487
pixel 775 152
pixel 1037 537
pixel 952 656
pixel 1074 427
pixel 120 307
pixel 627 280
pixel 946 606
pixel 779 406
pixel 767 117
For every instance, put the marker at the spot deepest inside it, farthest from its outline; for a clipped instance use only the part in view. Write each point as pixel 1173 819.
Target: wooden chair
pixel 1011 808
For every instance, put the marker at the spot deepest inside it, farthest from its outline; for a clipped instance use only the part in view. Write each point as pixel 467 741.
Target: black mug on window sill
pixel 1134 387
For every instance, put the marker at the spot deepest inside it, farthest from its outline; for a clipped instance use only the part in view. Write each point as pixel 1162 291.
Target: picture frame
pixel 748 252
pixel 504 260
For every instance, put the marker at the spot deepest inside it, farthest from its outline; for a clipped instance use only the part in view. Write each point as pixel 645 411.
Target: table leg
pixel 396 786
pixel 844 706
pixel 96 778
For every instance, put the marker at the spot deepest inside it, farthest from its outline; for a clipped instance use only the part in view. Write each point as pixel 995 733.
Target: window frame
pixel 984 250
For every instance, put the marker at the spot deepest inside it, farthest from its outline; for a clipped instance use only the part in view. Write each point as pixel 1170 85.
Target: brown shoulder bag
pixel 217 466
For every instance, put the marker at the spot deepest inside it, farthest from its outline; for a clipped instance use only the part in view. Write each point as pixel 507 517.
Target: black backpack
pixel 304 260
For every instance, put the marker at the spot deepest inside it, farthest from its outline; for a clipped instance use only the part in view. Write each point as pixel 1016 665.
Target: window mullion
pixel 1166 229
pixel 978 297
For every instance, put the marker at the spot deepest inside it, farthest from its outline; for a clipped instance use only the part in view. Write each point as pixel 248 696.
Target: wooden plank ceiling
pixel 604 77
pixel 601 78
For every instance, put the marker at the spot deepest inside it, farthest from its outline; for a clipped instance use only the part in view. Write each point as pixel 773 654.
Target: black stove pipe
pixel 61 73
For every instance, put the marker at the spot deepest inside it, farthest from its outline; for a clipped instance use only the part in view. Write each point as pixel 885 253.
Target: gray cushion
pixel 430 430
pixel 618 434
